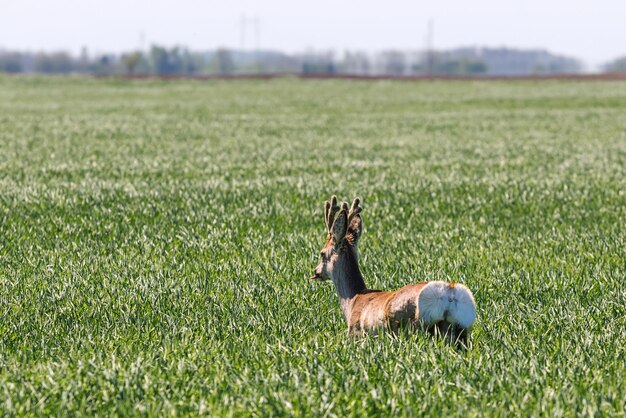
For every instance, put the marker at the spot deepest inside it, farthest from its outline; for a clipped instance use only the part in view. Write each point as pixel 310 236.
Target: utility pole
pixel 255 23
pixel 257 32
pixel 430 53
pixel 242 31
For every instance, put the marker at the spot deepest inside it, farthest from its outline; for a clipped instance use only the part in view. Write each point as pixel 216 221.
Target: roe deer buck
pixel 438 307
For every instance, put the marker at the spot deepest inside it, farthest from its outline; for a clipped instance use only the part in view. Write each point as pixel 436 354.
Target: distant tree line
pixel 617 65
pixel 182 61
pixel 157 60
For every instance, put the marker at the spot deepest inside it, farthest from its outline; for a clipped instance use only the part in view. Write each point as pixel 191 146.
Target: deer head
pixel 340 256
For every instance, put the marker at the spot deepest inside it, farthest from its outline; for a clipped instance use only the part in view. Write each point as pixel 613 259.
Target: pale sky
pixel 594 31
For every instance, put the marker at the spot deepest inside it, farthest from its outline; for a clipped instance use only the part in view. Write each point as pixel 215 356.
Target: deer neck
pixel 348 280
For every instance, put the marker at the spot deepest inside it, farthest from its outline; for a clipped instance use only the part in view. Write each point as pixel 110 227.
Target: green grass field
pixel 156 237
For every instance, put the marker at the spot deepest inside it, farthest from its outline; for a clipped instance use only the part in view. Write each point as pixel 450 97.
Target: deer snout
pixel 318 273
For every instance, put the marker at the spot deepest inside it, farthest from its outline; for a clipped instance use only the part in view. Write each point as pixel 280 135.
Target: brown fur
pixel 394 308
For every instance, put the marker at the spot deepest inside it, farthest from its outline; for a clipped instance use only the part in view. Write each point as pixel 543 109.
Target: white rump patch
pixel 440 301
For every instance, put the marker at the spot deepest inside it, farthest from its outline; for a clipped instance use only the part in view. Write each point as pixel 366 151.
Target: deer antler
pixel 330 210
pixel 354 210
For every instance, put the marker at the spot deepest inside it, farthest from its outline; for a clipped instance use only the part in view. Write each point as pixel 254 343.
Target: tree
pixel 394 62
pixel 463 66
pixel 354 63
pixel 160 60
pixel 131 61
pixel 57 62
pixel 103 65
pixel 176 60
pixel 223 62
pixel 617 65
pixel 11 62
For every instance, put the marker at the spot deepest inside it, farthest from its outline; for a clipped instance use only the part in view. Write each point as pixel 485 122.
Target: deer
pixel 440 308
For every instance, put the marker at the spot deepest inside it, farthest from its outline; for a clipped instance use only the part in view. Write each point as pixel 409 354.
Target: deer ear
pixel 340 226
pixel 355 225
pixel 354 229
